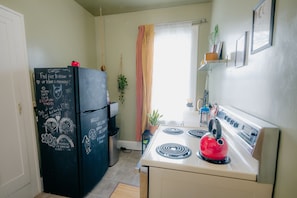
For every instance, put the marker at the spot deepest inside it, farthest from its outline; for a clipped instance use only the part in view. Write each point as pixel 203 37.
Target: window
pixel 174 69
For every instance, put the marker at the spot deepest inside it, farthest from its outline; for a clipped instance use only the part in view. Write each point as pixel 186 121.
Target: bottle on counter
pixel 204 116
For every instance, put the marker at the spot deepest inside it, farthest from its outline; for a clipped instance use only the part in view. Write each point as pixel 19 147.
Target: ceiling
pixel 109 7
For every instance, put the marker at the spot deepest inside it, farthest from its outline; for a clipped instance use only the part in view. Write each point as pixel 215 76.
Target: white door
pixel 19 174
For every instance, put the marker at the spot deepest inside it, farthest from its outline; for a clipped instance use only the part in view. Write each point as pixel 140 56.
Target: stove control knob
pixel 231 122
pixel 226 117
pixel 236 125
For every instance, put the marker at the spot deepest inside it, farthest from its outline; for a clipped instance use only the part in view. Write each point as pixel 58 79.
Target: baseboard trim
pixel 133 145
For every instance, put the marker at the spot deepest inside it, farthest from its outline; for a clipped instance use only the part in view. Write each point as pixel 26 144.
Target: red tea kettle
pixel 212 145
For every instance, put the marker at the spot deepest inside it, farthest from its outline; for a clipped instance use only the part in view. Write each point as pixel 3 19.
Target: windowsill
pixel 190 119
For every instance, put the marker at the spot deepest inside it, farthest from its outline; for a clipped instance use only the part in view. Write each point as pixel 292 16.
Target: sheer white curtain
pixel 174 69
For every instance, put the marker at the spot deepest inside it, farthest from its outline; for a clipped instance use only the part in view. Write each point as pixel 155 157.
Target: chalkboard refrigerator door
pixel 94 148
pixel 90 89
pixel 57 131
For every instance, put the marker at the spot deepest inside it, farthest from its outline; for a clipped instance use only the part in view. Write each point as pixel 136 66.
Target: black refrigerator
pixel 71 109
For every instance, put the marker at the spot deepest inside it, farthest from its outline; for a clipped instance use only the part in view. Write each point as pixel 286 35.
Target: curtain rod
pixel 194 22
pixel 203 20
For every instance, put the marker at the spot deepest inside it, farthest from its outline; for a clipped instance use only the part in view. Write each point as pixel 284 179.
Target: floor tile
pixel 123 171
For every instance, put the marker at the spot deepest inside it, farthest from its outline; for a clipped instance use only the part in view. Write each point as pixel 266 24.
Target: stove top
pixel 173 131
pixel 173 151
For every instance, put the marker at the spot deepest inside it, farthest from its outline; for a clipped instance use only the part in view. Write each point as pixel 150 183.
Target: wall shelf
pixel 208 65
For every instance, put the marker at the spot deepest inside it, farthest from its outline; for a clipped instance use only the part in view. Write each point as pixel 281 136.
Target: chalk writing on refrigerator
pixel 58 127
pixel 95 134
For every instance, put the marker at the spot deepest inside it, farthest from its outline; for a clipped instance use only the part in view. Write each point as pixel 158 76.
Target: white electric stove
pixel 175 168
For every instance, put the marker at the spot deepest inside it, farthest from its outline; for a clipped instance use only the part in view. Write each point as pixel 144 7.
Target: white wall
pixel 57 32
pixel 120 38
pixel 267 86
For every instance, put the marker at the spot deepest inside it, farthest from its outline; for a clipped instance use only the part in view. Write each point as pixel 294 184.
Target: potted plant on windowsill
pixel 153 119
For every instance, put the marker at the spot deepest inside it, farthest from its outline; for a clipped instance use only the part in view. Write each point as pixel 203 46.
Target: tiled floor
pixel 123 171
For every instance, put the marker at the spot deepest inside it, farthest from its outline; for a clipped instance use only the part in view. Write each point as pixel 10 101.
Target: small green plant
pixel 214 37
pixel 154 118
pixel 122 86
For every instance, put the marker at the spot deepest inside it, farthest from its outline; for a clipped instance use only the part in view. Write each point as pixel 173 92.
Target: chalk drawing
pixel 58 117
pixel 92 134
pixel 51 125
pixel 87 143
pixel 68 139
pixel 57 91
pixel 56 130
pixel 66 126
pixel 48 139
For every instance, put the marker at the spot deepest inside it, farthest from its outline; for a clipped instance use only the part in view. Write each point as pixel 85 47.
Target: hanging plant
pixel 122 83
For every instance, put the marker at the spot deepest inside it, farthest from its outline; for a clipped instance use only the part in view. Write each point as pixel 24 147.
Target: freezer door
pixel 91 89
pixel 94 148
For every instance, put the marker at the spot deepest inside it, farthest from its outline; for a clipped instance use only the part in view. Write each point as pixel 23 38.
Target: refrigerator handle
pixel 90 111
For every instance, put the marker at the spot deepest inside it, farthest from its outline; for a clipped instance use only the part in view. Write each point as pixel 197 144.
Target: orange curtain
pixel 144 68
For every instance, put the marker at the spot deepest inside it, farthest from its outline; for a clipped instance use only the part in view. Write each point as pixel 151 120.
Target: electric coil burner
pixel 197 132
pixel 173 131
pixel 226 160
pixel 173 151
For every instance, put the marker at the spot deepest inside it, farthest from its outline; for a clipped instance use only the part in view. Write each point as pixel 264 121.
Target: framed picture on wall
pixel 240 55
pixel 262 29
pixel 219 49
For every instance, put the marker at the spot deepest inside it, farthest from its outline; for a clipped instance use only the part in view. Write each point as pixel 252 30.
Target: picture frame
pixel 240 54
pixel 262 28
pixel 219 49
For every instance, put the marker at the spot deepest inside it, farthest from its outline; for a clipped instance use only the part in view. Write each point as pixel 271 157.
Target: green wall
pixel 57 32
pixel 266 87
